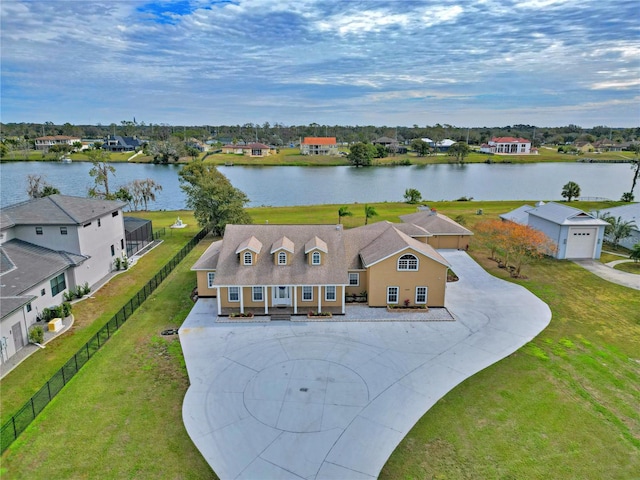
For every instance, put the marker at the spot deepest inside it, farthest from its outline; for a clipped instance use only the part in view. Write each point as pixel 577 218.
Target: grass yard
pixel 121 415
pixel 630 267
pixel 92 313
pixel 564 406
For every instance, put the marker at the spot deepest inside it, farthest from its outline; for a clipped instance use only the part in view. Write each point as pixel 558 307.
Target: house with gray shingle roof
pixel 294 269
pixel 48 246
pixel 443 232
pixel 575 233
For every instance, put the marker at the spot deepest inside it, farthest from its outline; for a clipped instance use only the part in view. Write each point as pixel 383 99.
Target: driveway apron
pixel 325 400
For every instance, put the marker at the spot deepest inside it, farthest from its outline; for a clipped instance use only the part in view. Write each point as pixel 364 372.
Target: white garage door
pixel 581 242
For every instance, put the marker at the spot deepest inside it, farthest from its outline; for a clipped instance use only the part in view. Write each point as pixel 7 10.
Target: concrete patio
pixel 321 400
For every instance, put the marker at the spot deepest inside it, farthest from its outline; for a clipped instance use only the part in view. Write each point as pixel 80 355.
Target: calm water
pixel 281 186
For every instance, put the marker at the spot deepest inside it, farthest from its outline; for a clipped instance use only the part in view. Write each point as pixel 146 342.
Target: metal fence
pixel 28 412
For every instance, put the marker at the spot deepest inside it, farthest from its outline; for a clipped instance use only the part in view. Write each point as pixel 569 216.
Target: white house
pixel 45 143
pixel 628 213
pixel 507 146
pixel 48 246
pixel 319 146
pixel 576 234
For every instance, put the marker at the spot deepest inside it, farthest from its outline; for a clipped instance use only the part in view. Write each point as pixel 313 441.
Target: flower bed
pixel 241 315
pixel 319 315
pixel 404 308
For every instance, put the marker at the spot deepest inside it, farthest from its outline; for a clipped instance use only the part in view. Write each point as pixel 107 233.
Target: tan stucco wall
pixel 203 285
pixel 363 283
pixel 449 241
pixel 302 305
pixel 430 274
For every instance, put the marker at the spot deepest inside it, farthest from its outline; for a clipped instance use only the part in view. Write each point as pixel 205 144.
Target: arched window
pixel 315 258
pixel 408 262
pixel 282 258
pixel 248 258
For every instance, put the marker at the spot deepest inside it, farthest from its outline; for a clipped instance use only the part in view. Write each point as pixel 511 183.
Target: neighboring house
pixel 250 150
pixel 607 145
pixel 584 147
pixel 441 146
pixel 117 143
pixel 319 146
pixel 45 143
pixel 507 146
pixel 386 141
pixel 47 246
pixel 294 269
pixel 575 233
pixel 628 213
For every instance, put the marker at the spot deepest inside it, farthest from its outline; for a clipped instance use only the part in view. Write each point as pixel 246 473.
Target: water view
pixel 285 186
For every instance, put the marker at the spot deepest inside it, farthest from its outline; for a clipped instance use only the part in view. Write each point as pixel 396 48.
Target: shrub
pixel 117 262
pixel 68 296
pixel 86 288
pixel 36 334
pixel 66 309
pixel 57 311
pixel 125 263
pixel 79 293
pixel 46 314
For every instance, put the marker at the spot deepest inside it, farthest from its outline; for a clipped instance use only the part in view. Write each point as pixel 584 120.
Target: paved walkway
pixel 326 400
pixel 610 274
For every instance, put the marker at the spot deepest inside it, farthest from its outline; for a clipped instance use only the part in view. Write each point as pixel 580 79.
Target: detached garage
pixel 577 234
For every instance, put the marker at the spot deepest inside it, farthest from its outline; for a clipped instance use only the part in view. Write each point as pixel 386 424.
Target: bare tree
pixel 143 192
pixel 100 173
pixel 37 187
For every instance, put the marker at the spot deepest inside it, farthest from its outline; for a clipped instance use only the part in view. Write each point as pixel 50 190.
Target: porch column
pixel 344 289
pixel 241 299
pixel 295 300
pixel 265 294
pixel 218 301
pixel 319 298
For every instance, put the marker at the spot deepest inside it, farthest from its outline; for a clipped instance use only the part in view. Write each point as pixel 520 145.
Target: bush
pixel 117 263
pixel 68 296
pixel 79 293
pixel 36 334
pixel 46 314
pixel 86 288
pixel 66 309
pixel 125 263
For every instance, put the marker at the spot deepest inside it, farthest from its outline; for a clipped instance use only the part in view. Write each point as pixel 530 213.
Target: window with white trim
pixel 211 276
pixel 248 258
pixel 330 293
pixel 234 294
pixel 392 295
pixel 315 258
pixel 354 279
pixel 257 295
pixel 421 295
pixel 282 258
pixel 408 262
pixel 307 293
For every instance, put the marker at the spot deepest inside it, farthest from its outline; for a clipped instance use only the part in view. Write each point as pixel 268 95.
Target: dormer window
pixel 408 262
pixel 315 258
pixel 248 258
pixel 282 258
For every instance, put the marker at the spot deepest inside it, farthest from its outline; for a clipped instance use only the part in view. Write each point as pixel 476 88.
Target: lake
pixel 285 186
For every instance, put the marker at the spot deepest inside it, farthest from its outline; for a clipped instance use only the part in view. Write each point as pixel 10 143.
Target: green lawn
pixel 630 267
pixel 92 313
pixel 564 406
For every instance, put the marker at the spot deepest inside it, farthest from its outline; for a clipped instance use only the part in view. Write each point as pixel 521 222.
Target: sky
pixel 468 63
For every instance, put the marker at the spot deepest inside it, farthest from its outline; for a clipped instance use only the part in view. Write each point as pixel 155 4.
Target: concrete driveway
pixel 610 274
pixel 332 400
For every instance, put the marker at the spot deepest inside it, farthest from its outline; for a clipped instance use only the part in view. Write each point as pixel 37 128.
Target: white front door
pixel 281 296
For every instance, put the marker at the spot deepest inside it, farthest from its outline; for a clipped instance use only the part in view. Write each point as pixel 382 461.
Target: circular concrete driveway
pixel 293 400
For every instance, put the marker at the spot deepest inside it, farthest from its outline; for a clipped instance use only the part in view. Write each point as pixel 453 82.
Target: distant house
pixel 319 146
pixel 607 145
pixel 628 213
pixel 43 144
pixel 117 143
pixel 48 246
pixel 385 141
pixel 250 150
pixel 575 233
pixel 507 146
pixel 584 147
pixel 441 145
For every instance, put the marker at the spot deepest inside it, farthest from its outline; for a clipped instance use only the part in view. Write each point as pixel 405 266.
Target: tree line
pixel 280 134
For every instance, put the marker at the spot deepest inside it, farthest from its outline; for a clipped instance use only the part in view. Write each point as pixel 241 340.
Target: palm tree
pixel 368 213
pixel 343 212
pixel 607 217
pixel 621 229
pixel 635 253
pixel 571 190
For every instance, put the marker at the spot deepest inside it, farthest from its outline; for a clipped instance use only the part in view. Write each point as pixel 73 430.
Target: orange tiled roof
pixel 319 141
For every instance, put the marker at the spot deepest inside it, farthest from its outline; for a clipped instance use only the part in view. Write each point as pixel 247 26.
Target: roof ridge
pixel 62 209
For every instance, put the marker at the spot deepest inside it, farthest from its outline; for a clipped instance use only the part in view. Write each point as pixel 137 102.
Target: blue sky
pixel 397 62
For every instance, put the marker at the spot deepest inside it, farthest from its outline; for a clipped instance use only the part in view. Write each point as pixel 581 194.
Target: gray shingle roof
pixel 519 215
pixel 565 215
pixel 209 259
pixel 33 265
pixel 436 224
pixel 264 271
pixel 59 210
